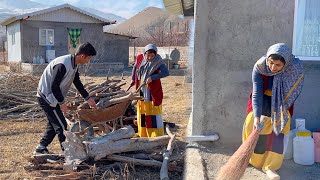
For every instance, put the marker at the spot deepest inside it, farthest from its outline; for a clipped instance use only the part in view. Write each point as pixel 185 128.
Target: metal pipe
pixel 202 138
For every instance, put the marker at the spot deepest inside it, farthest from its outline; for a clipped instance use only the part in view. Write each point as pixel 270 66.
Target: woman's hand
pixel 256 123
pixel 149 80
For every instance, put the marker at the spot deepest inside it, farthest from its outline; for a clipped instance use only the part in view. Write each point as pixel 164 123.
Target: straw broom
pixel 238 162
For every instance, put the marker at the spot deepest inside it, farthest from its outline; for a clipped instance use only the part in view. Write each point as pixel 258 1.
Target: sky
pixel 124 8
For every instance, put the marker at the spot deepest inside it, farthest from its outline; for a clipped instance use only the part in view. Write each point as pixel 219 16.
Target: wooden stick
pixel 166 155
pixel 25 106
pixel 42 158
pixel 109 94
pixel 141 162
pixel 87 84
pixel 64 176
pixel 105 82
pixel 97 91
pixel 120 85
pixel 18 98
pixel 53 171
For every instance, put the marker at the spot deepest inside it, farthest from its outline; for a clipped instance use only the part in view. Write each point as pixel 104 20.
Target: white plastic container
pixel 300 123
pixel 289 150
pixel 303 148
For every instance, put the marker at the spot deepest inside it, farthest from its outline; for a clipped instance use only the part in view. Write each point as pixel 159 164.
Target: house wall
pixel 109 47
pixel 307 105
pixel 14 50
pixel 229 37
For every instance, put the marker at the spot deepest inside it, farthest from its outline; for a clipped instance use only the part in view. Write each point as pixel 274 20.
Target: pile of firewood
pixel 105 94
pixel 117 146
pixel 18 96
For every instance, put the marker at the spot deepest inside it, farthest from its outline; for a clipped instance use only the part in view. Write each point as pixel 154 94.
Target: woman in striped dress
pixel 149 109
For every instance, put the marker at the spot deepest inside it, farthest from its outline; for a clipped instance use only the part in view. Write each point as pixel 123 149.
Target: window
pixel 46 37
pixel 13 37
pixel 306 37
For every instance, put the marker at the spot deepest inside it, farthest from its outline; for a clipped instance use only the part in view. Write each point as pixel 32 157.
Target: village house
pixel 35 38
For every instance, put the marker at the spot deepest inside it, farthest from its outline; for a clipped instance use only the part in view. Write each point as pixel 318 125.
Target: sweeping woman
pixel 149 109
pixel 277 81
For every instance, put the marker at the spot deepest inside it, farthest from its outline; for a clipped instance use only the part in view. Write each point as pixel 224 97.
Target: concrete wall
pixel 229 37
pixel 110 48
pixel 307 105
pixel 14 50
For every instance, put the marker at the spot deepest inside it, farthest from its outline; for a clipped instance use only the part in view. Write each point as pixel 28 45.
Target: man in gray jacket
pixel 53 86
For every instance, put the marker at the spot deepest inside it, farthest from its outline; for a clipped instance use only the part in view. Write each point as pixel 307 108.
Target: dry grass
pixel 18 138
pixel 3 68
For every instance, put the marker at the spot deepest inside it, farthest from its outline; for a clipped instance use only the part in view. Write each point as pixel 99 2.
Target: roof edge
pixel 47 10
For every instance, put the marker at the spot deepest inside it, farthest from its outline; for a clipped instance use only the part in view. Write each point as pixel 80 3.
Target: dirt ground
pixel 18 138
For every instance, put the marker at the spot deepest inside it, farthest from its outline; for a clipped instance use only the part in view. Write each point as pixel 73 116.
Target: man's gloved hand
pixel 64 107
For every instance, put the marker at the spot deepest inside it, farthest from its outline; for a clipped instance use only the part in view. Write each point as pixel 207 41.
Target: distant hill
pixel 145 19
pixel 152 23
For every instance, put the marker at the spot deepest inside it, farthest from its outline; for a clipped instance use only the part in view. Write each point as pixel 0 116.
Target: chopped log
pixel 94 88
pixel 103 103
pixel 74 151
pixel 119 85
pixel 92 93
pixel 113 84
pixel 104 83
pixel 85 105
pixel 90 87
pixel 117 95
pixel 115 142
pixel 141 162
pixel 166 155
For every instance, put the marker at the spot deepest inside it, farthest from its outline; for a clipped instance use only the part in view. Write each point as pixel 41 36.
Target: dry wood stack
pixel 105 94
pixel 18 96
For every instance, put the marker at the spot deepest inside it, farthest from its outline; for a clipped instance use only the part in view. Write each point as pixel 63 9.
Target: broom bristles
pixel 238 162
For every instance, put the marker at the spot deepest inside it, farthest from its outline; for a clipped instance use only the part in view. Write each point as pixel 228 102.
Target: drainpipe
pixel 202 138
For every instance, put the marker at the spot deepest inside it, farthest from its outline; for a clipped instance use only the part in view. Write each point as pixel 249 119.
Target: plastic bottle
pixel 303 148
